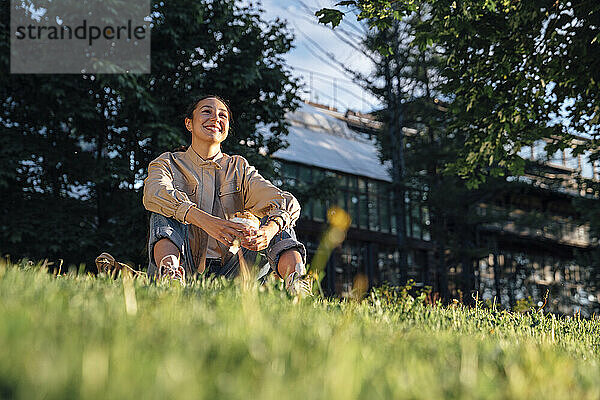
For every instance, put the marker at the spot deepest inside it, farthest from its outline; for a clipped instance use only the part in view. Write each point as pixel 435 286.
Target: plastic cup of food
pixel 247 219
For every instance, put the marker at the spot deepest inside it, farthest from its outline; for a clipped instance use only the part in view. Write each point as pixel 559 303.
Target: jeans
pixel 164 227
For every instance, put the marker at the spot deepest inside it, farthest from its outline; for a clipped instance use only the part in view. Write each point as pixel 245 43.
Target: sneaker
pixel 106 263
pixel 298 283
pixel 169 267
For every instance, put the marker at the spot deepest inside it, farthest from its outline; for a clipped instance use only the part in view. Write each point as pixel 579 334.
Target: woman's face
pixel 210 121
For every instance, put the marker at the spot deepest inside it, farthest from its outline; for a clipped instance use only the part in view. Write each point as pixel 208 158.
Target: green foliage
pixel 515 72
pixel 413 82
pixel 74 148
pixel 506 70
pixel 479 80
pixel 378 13
pixel 72 337
pixel 523 305
pixel 330 16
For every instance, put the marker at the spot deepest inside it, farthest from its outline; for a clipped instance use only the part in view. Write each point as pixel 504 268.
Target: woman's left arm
pixel 264 199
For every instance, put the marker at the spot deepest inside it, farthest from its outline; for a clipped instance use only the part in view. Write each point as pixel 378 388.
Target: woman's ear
pixel 188 124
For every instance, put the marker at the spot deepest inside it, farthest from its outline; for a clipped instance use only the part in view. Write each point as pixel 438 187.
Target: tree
pixel 407 79
pixel 75 147
pixel 512 70
pixel 499 95
pixel 411 82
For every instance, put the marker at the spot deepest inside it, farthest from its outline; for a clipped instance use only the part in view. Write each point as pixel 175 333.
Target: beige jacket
pixel 221 186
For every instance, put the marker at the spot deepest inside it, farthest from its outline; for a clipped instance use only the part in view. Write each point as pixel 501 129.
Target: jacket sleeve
pixel 160 196
pixel 262 198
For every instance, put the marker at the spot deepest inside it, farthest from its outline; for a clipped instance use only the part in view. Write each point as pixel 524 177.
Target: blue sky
pixel 330 86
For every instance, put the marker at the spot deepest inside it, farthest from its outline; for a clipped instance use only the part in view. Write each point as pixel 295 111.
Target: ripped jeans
pixel 163 227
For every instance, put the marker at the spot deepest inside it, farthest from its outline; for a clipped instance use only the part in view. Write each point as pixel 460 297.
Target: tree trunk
pixel 397 140
pixel 497 274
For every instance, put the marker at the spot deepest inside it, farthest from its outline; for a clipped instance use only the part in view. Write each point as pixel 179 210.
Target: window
pixel 353 210
pixel 539 152
pixel 388 271
pixel 384 213
pixel 363 211
pixel 319 210
pixel 307 209
pixel 415 215
pixel 289 174
pixel 342 200
pixel 417 261
pixel 525 152
pixel 407 219
pixel 571 160
pixel 369 202
pixel 305 174
pixel 426 223
pixel 557 158
pixel 350 261
pixel 587 167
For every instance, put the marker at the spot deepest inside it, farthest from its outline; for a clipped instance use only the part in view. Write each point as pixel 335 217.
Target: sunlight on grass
pixel 80 336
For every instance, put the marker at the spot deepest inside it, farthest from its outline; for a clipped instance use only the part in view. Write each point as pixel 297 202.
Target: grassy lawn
pixel 85 337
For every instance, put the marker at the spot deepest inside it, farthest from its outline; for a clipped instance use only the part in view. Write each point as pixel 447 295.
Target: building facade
pixel 324 143
pixel 528 258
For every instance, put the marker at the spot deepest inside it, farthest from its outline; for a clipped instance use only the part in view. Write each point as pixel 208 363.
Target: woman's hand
pixel 262 237
pixel 222 230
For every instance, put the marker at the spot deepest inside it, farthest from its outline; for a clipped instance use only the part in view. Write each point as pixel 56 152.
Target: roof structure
pixel 318 138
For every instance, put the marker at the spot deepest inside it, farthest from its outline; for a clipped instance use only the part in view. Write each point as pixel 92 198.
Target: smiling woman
pixel 208 120
pixel 193 194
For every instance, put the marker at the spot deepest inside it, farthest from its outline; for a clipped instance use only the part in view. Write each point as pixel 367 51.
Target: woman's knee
pixel 288 259
pixel 165 247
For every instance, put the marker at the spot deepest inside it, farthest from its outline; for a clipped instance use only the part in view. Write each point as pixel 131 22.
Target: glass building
pixel 534 244
pixel 336 149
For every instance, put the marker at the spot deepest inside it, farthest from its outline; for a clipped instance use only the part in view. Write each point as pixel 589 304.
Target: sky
pixel 330 85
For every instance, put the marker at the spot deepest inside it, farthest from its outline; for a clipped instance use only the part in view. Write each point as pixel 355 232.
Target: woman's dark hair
pixel 189 112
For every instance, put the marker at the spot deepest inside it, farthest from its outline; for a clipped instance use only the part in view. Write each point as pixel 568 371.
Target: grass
pixel 78 336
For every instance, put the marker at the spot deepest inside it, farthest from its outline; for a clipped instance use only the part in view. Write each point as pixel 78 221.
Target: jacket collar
pixel 201 162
